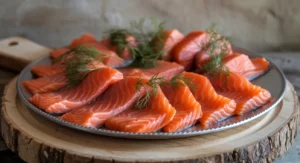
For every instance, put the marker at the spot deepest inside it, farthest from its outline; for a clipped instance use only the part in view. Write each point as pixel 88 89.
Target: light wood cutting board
pixel 16 52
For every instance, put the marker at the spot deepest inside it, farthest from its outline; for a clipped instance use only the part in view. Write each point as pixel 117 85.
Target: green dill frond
pixel 145 54
pixel 79 61
pixel 143 101
pixel 139 84
pixel 117 37
pixel 154 82
pixel 181 80
pixel 216 48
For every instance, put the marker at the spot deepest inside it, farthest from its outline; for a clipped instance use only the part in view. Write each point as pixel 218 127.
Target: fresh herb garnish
pixel 79 61
pixel 216 48
pixel 118 38
pixel 154 83
pixel 145 54
pixel 179 79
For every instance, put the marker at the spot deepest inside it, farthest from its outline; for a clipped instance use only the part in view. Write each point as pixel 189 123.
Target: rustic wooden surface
pixel 36 139
pixel 292 74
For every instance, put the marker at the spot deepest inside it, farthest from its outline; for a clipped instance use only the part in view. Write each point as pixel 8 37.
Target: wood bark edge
pixel 266 150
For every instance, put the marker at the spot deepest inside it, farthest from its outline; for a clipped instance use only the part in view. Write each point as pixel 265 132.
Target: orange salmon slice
pixel 125 54
pixel 242 64
pixel 215 107
pixel 58 52
pixel 154 116
pixel 107 105
pixel 46 84
pixel 48 70
pixel 246 95
pixel 185 51
pixel 188 110
pixel 91 87
pixel 58 68
pixel 203 57
pixel 85 38
pixel 112 60
pixel 166 41
pixel 163 69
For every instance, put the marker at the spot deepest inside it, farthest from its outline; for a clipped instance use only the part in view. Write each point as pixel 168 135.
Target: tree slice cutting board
pixel 36 139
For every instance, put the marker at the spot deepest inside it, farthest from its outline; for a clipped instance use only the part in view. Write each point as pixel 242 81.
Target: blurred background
pixel 258 25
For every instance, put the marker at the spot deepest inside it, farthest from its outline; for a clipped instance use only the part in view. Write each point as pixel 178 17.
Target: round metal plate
pixel 273 80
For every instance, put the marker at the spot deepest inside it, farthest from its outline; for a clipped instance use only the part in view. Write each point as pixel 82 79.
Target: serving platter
pixel 273 80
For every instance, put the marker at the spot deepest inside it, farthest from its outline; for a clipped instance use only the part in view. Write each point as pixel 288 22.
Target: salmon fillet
pixel 91 87
pixel 125 54
pixel 188 110
pixel 46 84
pixel 246 95
pixel 185 51
pixel 215 107
pixel 117 98
pixel 166 41
pixel 242 64
pixel 47 70
pixel 203 57
pixel 113 60
pixel 58 68
pixel 154 116
pixel 163 68
pixel 58 52
pixel 85 38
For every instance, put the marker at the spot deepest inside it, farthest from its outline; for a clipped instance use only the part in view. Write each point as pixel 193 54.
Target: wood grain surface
pixel 17 52
pixel 36 139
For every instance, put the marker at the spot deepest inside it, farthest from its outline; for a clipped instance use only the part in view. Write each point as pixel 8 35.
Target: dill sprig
pixel 145 54
pixel 154 83
pixel 79 62
pixel 179 79
pixel 216 48
pixel 117 37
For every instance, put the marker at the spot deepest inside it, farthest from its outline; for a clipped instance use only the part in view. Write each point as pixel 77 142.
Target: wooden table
pixel 287 61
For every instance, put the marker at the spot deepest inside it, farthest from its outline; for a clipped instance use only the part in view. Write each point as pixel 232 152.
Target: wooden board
pixel 36 139
pixel 16 52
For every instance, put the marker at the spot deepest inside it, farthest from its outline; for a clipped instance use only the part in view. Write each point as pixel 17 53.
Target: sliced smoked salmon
pixel 117 98
pixel 47 70
pixel 58 52
pixel 246 95
pixel 112 59
pixel 58 68
pixel 261 66
pixel 154 116
pixel 85 38
pixel 215 107
pixel 166 41
pixel 185 51
pixel 188 110
pixel 245 66
pixel 91 87
pixel 46 84
pixel 221 47
pixel 163 69
pixel 124 53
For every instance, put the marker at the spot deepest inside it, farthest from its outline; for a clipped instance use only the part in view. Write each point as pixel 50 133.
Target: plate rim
pixel 151 135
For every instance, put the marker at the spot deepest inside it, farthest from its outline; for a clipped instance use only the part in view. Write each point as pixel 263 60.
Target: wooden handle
pixel 16 52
